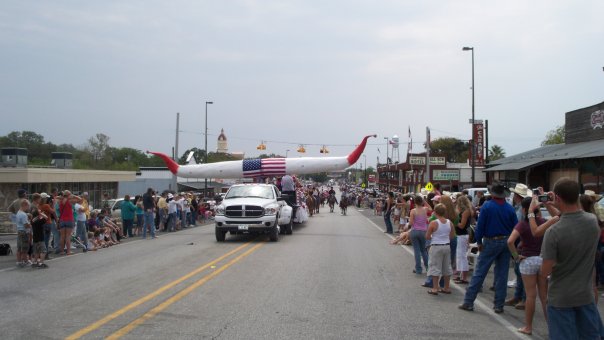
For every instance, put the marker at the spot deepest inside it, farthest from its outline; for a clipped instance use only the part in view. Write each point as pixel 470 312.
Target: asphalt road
pixel 336 277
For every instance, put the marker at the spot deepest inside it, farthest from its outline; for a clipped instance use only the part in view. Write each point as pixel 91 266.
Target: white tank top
pixel 441 235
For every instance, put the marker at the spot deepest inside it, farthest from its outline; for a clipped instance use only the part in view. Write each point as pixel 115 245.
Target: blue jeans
pixel 453 247
pixel 388 222
pixel 149 219
pixel 171 221
pixel 418 240
pixel 581 322
pixel 194 218
pixel 82 233
pixel 519 293
pixel 56 235
pixel 493 251
pixel 140 218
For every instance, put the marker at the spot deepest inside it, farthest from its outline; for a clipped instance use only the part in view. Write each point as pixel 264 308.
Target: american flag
pixel 263 167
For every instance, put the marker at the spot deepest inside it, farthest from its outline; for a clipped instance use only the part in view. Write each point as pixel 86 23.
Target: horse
pixel 331 200
pixel 343 205
pixel 310 204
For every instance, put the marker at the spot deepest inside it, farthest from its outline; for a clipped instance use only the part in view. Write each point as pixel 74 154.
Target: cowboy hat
pixel 593 194
pixel 522 190
pixel 498 190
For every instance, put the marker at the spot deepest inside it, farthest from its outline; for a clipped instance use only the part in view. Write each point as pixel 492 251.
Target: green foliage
pixel 199 156
pixel 555 136
pixel 455 150
pixel 496 153
pixel 97 154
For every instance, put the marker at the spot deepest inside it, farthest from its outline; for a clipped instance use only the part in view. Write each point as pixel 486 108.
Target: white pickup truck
pixel 253 209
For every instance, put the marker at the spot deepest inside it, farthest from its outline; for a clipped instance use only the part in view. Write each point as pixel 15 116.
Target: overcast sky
pixel 308 72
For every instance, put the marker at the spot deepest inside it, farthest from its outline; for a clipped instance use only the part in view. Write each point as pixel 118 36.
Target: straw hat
pixel 522 190
pixel 593 194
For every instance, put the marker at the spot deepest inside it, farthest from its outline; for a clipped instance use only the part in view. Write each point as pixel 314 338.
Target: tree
pixel 98 146
pixel 455 150
pixel 555 136
pixel 496 153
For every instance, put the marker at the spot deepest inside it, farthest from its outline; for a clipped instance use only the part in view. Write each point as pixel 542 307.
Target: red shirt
pixel 66 211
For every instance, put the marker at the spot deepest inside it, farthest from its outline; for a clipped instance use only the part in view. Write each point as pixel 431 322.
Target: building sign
pixel 421 160
pixel 597 119
pixel 371 178
pixel 478 143
pixel 445 175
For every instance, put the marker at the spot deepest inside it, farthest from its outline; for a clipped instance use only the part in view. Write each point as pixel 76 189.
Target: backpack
pixel 5 249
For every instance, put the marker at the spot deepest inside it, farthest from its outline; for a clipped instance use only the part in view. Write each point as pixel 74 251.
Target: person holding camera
pixel 568 251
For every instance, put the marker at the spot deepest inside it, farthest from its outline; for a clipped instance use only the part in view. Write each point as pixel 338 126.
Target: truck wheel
pixel 273 236
pixel 220 235
pixel 289 228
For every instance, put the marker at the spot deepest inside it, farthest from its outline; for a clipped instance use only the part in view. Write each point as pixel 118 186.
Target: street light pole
pixel 286 151
pixel 205 187
pixel 472 142
pixel 365 175
pixel 387 140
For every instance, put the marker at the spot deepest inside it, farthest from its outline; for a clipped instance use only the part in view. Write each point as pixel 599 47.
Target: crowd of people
pixel 559 259
pixel 60 222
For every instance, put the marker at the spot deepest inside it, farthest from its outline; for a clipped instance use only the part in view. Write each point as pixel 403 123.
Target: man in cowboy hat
pixel 597 206
pixel 520 192
pixel 495 224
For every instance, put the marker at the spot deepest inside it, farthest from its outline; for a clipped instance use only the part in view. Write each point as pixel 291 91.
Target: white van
pixel 472 193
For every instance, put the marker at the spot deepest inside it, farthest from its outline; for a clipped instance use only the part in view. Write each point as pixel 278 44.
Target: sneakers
pixel 498 310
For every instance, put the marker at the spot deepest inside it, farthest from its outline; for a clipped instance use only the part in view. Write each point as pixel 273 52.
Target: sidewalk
pixel 8 262
pixel 512 315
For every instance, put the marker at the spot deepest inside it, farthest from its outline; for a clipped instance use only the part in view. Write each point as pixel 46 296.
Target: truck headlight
pixel 220 210
pixel 271 210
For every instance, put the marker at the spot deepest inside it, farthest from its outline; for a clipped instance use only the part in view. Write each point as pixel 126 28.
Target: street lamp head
pixel 209 102
pixel 468 49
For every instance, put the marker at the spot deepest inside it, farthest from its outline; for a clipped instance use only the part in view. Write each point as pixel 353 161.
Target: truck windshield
pixel 250 191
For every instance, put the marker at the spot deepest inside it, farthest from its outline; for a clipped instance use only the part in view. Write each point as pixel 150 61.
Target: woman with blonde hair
pixel 466 212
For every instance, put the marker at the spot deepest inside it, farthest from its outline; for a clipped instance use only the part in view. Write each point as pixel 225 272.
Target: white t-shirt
pixel 172 207
pixel 80 215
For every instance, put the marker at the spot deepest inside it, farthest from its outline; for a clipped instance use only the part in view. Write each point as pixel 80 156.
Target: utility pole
pixel 205 187
pixel 427 177
pixel 175 156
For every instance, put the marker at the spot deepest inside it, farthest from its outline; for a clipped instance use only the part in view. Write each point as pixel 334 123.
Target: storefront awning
pixel 514 165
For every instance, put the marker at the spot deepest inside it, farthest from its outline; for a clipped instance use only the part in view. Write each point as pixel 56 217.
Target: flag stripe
pixel 263 167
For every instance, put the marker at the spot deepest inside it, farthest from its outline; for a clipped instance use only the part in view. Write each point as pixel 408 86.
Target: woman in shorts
pixel 530 263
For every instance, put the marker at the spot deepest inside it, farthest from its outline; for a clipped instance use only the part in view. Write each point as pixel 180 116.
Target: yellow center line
pixel 177 297
pixel 121 311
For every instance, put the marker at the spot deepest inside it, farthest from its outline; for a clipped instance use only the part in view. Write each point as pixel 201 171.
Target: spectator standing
pixel 495 223
pixel 66 220
pixel 440 233
pixel 140 214
pixel 149 211
pixel 465 210
pixel 127 209
pixel 81 231
pixel 388 212
pixel 418 220
pixel 37 224
pixel 520 191
pixel 172 211
pixel 568 252
pixel 50 226
pixel 530 262
pixel 23 228
pixel 162 206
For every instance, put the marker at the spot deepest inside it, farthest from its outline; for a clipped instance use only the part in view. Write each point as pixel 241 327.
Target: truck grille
pixel 244 211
